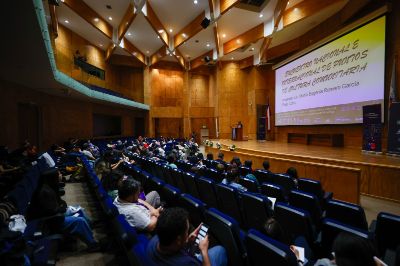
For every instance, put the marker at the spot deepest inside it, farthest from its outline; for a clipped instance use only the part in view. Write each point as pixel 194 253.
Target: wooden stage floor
pixel 347 171
pixel 339 154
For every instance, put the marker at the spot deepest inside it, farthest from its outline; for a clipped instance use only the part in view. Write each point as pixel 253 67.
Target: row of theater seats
pixel 39 242
pixel 300 216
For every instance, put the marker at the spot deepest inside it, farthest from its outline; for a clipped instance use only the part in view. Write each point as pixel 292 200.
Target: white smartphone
pixel 202 233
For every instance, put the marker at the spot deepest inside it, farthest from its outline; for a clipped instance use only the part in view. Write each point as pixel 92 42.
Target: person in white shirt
pixel 139 213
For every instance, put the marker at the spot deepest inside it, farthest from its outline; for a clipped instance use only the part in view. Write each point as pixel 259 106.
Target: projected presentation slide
pixel 331 84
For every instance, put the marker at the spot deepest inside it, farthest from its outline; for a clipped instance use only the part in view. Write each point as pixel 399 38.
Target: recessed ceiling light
pixel 183 35
pixel 232 58
pixel 101 45
pixel 261 15
pixel 66 21
pixel 238 41
pixel 208 45
pixel 170 30
pixel 96 19
pixel 288 2
pixel 158 37
pixel 251 49
pixel 129 34
pixel 109 18
pixel 195 2
pixel 160 31
pixel 134 53
pixel 223 35
pixel 62 1
pixel 296 9
pixel 147 51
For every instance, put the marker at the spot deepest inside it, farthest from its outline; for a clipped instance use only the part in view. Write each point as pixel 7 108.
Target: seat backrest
pixel 243 170
pixel 331 228
pixel 226 230
pixel 274 191
pixel 176 175
pixel 311 186
pixel 228 201
pixel 109 208
pixel 387 232
pixel 296 222
pixel 125 234
pixel 308 202
pixel 153 183
pixel 195 207
pixel 256 210
pixel 285 181
pixel 167 175
pixel 348 213
pixel 206 189
pixel 263 176
pixel 251 185
pixel 190 183
pixel 170 195
pixel 212 174
pixel 263 250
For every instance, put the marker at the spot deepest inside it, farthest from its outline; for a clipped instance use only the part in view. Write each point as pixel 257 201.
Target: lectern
pixel 237 132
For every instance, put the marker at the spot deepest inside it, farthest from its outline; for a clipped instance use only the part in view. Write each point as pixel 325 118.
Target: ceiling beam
pixel 211 6
pixel 199 61
pixel 189 30
pixel 243 39
pixel 305 9
pixel 178 55
pixel 278 13
pixel 88 14
pixel 126 21
pixel 216 38
pixel 130 48
pixel 157 56
pixel 110 51
pixel 54 21
pixel 156 24
pixel 225 5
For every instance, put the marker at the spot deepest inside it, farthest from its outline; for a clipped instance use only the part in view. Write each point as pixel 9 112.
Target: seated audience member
pixel 351 250
pixel 236 161
pixel 232 178
pixel 171 160
pixel 251 176
pixel 274 230
pixel 47 202
pixel 292 172
pixel 210 156
pixel 266 165
pixel 221 158
pixel 139 213
pixel 111 182
pixel 169 245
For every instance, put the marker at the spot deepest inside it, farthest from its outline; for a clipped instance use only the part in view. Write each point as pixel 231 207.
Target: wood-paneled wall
pixel 122 79
pixel 166 88
pixel 61 117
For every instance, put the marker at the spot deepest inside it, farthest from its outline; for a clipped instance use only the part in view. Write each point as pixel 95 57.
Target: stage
pixel 347 172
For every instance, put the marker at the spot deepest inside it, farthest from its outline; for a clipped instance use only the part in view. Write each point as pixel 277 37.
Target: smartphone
pixel 202 233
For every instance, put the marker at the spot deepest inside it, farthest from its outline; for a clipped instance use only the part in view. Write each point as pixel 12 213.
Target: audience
pixel 169 245
pixel 210 156
pixel 232 178
pixel 221 158
pixel 251 176
pixel 171 160
pixel 141 214
pixel 292 172
pixel 266 165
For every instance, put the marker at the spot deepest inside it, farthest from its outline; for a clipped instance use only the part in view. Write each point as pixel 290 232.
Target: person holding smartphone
pixel 169 245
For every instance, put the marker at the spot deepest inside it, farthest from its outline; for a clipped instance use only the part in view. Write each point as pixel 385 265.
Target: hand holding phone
pixel 202 233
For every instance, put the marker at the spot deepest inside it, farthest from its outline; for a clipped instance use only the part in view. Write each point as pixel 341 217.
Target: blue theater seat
pixel 250 184
pixel 387 232
pixel 285 181
pixel 314 187
pixel 207 192
pixel 274 191
pixel 153 184
pixel 190 183
pixel 263 250
pixel 170 195
pixel 308 202
pixel 331 228
pixel 256 210
pixel 296 222
pixel 228 201
pixel 263 176
pixel 348 213
pixel 195 207
pixel 226 230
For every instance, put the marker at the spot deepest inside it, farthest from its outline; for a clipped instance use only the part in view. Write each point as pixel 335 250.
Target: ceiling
pixel 176 15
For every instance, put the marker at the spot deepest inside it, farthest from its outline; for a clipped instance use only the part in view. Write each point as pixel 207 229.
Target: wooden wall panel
pixel 199 91
pixel 62 117
pixel 169 127
pixel 122 79
pixel 167 88
pixel 198 123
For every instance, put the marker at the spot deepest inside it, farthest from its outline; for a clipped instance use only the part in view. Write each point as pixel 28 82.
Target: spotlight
pixel 205 23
